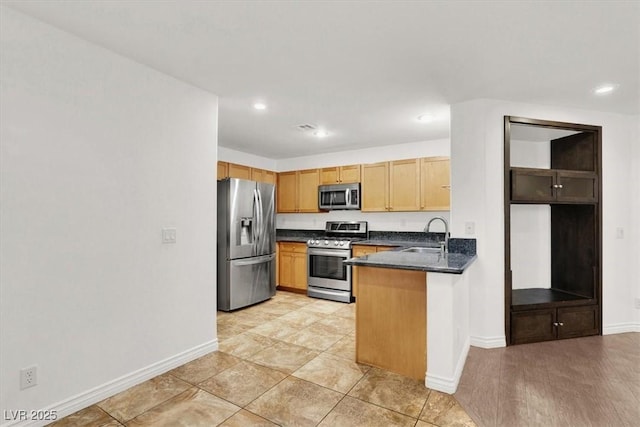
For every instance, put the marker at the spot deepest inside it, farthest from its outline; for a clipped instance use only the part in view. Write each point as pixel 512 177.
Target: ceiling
pixel 363 70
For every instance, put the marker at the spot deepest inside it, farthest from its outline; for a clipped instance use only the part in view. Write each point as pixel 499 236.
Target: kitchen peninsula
pixel 412 311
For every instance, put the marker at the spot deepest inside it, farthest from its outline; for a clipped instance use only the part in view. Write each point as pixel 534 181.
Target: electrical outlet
pixel 469 228
pixel 169 235
pixel 28 377
pixel 619 233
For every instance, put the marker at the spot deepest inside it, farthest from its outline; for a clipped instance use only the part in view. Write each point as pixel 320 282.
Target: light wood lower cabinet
pixel 391 320
pixel 292 266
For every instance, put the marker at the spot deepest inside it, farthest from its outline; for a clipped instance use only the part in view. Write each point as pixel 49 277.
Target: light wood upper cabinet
pixel 404 185
pixel 435 184
pixel 223 170
pixel 263 175
pixel 232 170
pixel 287 189
pixel 375 187
pixel 308 181
pixel 340 174
pixel 239 171
pixel 298 191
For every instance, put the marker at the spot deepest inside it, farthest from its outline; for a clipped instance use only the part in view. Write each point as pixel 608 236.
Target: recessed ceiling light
pixel 260 106
pixel 605 89
pixel 321 133
pixel 425 118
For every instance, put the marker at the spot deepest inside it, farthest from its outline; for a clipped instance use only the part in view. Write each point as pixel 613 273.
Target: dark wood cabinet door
pixel 576 187
pixel 533 326
pixel 578 321
pixel 532 185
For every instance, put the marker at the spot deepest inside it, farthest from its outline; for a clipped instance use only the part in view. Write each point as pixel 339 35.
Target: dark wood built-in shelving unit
pixel 571 304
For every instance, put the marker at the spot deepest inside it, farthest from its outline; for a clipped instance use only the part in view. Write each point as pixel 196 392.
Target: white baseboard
pixel 489 342
pixel 101 392
pixel 621 328
pixel 449 385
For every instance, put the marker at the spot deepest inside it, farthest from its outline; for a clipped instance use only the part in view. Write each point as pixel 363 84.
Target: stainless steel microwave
pixel 339 196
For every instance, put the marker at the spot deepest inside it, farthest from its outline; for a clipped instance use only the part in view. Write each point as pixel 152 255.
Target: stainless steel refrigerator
pixel 246 243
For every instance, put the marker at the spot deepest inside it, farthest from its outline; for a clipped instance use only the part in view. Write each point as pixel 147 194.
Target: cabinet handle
pixel 561 324
pixel 558 324
pixel 559 185
pixel 445 186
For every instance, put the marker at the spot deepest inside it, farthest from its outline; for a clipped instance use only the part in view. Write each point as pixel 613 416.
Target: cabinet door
pixel 223 170
pixel 533 326
pixel 350 174
pixel 578 321
pixel 257 174
pixel 330 175
pixel 435 184
pixel 375 187
pixel 576 186
pixel 269 177
pixel 532 185
pixel 239 171
pixel 308 181
pixel 287 192
pixel 286 268
pixel 300 270
pixel 404 185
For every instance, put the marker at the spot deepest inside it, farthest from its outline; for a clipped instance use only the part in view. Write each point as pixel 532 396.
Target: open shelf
pixel 524 299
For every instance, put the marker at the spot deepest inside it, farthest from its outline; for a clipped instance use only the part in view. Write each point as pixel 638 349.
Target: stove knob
pixel 310 242
pixel 341 243
pixel 335 243
pixel 326 243
pixel 317 242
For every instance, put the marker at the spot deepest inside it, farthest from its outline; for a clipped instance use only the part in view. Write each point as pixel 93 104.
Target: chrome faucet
pixel 446 231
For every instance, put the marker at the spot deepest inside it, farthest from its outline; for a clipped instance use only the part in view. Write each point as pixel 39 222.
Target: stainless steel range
pixel 328 277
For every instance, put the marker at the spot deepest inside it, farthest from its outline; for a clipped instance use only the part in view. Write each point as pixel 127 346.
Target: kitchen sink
pixel 422 250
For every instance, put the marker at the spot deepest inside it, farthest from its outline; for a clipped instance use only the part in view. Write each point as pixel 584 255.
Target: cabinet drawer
pixel 578 321
pixel 292 247
pixel 533 326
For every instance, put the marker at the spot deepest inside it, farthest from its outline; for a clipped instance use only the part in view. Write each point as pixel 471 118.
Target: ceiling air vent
pixel 306 127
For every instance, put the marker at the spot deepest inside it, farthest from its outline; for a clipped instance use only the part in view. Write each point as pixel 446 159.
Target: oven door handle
pixel 339 252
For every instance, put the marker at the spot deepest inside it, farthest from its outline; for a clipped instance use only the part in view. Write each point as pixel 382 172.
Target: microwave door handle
pixel 348 197
pixel 332 197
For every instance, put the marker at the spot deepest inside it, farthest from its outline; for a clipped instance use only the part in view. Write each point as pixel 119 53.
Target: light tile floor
pixel 289 361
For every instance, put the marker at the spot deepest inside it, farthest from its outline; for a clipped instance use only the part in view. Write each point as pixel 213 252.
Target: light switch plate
pixel 169 235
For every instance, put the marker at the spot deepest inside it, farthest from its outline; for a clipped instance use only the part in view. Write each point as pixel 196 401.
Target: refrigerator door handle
pixel 259 219
pixel 254 260
pixel 256 217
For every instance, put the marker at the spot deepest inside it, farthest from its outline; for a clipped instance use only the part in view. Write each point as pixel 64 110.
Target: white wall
pixel 635 224
pixel 477 195
pixel 98 154
pixel 531 224
pixel 239 157
pixel 378 221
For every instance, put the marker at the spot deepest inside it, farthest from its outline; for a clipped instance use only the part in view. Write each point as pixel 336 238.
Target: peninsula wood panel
pixel 391 320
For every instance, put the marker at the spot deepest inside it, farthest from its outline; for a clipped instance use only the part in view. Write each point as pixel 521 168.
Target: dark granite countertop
pixel 462 252
pixel 454 263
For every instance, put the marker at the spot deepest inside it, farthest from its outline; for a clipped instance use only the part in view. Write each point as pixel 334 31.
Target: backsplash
pixel 378 221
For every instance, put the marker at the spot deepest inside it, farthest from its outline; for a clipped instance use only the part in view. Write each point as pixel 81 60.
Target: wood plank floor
pixel 592 381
